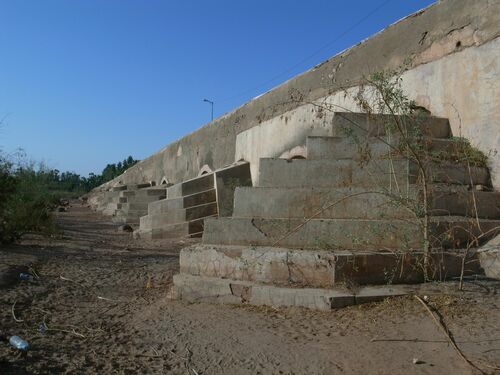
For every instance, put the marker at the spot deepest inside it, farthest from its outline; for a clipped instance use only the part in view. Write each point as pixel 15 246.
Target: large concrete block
pixel 316 268
pixel 353 203
pixel 344 233
pixel 165 205
pixel 215 290
pixel 179 215
pixel 489 258
pixel 363 125
pixel 359 148
pixel 362 203
pixel 195 185
pixel 483 204
pixel 388 174
pixel 192 228
pixel 226 181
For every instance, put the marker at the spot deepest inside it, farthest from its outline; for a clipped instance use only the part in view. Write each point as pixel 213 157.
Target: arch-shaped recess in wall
pixel 164 181
pixel 205 170
pixel 298 152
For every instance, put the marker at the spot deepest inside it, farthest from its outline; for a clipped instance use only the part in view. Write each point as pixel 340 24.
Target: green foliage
pixel 462 152
pixel 30 192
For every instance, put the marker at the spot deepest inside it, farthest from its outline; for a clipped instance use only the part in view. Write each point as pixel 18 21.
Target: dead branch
pixel 441 325
pixel 14 314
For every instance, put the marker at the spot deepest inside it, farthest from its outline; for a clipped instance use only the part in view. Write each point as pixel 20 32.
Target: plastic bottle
pixel 18 343
pixel 25 276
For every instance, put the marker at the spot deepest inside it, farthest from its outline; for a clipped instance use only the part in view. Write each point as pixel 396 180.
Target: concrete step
pixel 125 217
pixel 160 193
pixel 189 187
pixel 318 268
pixel 304 202
pixel 192 228
pixel 165 205
pixel 357 149
pixel 374 174
pixel 482 204
pixel 178 215
pixel 135 206
pixel 217 290
pixel 361 203
pixel 364 125
pixel 339 234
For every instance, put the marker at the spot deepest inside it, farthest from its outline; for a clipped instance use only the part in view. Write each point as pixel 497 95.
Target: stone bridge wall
pixel 454 72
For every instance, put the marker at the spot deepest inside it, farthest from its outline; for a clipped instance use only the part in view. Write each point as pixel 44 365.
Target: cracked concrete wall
pixel 449 33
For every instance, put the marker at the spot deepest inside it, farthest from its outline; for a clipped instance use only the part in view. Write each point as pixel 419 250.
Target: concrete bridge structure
pixel 246 162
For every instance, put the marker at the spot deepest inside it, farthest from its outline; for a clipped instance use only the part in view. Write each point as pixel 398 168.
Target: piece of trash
pixel 42 328
pixel 149 283
pixel 426 298
pixel 18 343
pixel 25 276
pixel 417 361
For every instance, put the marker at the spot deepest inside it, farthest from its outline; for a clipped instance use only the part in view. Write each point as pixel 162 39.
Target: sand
pixel 103 299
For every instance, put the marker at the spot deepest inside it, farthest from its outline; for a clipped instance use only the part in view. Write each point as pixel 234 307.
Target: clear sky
pixel 84 83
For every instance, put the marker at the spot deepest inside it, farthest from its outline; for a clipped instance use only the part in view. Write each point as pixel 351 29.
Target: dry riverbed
pixel 100 306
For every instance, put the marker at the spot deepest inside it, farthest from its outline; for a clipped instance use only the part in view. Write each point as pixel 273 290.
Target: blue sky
pixel 84 83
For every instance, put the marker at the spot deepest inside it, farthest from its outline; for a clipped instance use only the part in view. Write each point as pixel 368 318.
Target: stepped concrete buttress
pixel 134 203
pixel 317 232
pixel 190 202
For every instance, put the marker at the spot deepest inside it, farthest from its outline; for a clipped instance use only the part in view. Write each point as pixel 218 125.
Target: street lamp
pixel 212 103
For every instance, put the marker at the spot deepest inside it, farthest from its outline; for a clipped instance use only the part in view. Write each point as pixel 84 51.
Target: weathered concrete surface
pixel 226 181
pixel 207 289
pixel 377 174
pixel 348 148
pixel 165 205
pixel 178 215
pixel 362 203
pixel 353 234
pixel 454 71
pixel 317 268
pixel 190 201
pixel 192 186
pixel 489 258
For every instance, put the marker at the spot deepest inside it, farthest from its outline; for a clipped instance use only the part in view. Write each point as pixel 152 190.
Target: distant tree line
pixel 30 191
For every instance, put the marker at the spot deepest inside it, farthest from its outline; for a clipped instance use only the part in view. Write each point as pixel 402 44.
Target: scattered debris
pixel 125 228
pixel 14 313
pixel 19 343
pixel 25 276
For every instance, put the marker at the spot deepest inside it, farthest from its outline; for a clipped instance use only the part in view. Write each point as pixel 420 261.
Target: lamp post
pixel 212 103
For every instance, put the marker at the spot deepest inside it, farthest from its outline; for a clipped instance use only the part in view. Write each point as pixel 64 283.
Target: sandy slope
pixel 103 298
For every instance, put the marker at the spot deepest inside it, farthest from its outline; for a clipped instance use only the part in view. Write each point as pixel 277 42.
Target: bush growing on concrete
pixel 382 93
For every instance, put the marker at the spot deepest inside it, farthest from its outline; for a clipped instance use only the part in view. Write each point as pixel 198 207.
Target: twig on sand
pixel 77 283
pixel 107 299
pixel 72 331
pixel 14 314
pixel 441 325
pixel 70 280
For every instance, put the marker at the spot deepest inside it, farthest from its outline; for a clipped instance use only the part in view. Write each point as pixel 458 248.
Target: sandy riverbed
pixel 102 296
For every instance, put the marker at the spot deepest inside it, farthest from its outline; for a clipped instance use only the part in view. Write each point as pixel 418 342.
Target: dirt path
pixel 103 298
